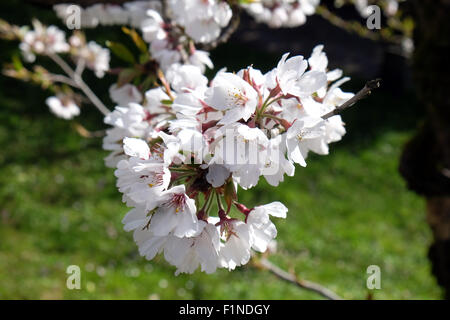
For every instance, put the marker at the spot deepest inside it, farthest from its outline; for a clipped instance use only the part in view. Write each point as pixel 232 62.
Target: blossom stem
pixel 264 105
pixel 273 100
pixel 165 84
pixel 209 202
pixel 207 195
pixel 283 122
pixel 266 115
pixel 219 202
pixel 267 102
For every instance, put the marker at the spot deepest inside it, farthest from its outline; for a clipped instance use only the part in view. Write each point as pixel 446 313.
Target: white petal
pixel 136 148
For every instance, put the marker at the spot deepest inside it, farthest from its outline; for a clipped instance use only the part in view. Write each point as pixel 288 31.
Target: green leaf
pixel 138 41
pixel 127 75
pixel 144 58
pixel 167 102
pixel 17 63
pixel 121 51
pixel 147 83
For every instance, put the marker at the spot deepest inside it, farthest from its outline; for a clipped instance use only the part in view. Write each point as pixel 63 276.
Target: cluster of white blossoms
pixel 181 155
pixel 192 21
pixel 169 43
pixel 93 55
pixel 202 20
pixel 51 41
pixel 42 40
pixel 282 13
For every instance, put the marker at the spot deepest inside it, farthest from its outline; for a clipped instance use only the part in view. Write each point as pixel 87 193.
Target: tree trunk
pixel 425 162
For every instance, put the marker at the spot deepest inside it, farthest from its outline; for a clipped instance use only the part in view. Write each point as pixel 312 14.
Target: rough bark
pixel 425 162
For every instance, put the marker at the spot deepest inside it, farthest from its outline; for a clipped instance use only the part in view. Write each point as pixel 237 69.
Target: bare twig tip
pixel 373 84
pixel 367 90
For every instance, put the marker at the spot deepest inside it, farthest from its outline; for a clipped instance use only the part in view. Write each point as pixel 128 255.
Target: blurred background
pixel 59 205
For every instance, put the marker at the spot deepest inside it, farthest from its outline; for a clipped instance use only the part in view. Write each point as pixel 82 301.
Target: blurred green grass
pixel 59 206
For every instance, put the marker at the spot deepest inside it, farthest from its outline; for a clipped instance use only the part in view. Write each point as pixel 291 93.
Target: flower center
pixel 178 201
pixel 301 135
pixel 238 98
pixel 156 179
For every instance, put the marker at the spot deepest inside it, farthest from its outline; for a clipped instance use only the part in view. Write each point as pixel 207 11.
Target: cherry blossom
pixel 63 107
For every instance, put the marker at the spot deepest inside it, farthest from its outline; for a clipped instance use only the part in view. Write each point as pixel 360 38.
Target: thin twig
pixel 80 67
pixel 370 85
pixel 80 83
pixel 356 27
pixel 91 95
pixel 292 278
pixel 62 79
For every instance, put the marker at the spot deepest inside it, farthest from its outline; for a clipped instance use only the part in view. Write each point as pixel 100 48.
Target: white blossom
pixel 177 215
pixel 236 249
pixel 125 94
pixel 63 107
pixel 233 95
pixel 262 230
pixel 96 58
pixel 300 134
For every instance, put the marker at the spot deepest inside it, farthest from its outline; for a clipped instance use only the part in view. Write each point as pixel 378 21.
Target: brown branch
pixel 370 85
pixel 356 27
pixel 265 264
